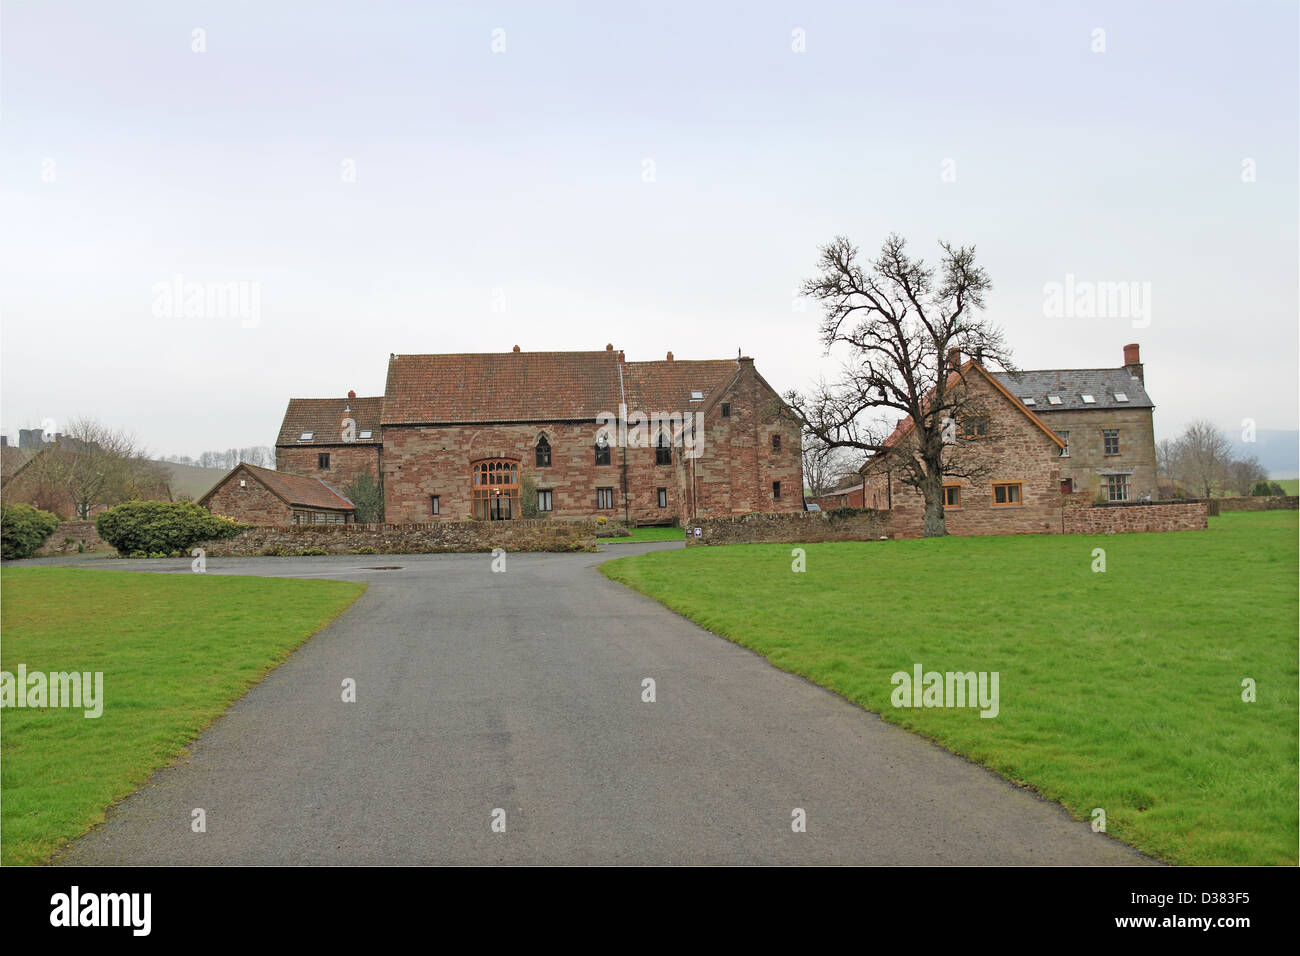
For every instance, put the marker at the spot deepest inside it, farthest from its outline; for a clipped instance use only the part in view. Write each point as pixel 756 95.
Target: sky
pixel 467 177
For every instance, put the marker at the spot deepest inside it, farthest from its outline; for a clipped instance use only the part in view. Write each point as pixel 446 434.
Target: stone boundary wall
pixel 1122 519
pixel 442 536
pixel 84 534
pixel 798 528
pixel 1259 503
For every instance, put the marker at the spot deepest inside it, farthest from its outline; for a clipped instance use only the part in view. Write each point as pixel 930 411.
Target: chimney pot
pixel 670 356
pixel 351 394
pixel 609 347
pixel 516 348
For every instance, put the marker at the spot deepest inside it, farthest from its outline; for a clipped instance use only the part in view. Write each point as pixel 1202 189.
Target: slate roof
pixel 292 489
pixel 481 387
pixel 321 417
pixel 1071 383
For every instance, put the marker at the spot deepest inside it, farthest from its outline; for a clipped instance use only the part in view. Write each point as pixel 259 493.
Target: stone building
pixel 1104 415
pixel 335 439
pixel 262 496
pixel 584 434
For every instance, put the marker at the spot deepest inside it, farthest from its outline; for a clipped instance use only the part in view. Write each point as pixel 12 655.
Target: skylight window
pixel 697 395
pixel 1029 401
pixel 305 436
pixel 366 435
pixel 1088 399
pixel 1121 397
pixel 1053 399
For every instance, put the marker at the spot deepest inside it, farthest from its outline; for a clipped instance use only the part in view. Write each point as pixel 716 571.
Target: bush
pixel 23 529
pixel 1261 488
pixel 162 527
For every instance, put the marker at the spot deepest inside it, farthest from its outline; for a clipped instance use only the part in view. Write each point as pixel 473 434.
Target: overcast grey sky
pixel 655 175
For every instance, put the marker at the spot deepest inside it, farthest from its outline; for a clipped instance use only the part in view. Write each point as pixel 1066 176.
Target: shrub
pixel 23 529
pixel 1261 488
pixel 153 527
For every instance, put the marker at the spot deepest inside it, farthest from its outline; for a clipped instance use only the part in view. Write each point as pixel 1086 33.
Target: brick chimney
pixel 1133 361
pixel 670 356
pixel 954 358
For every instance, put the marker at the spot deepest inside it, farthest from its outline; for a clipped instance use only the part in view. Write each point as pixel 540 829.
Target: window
pixel 543 499
pixel 726 409
pixel 1053 399
pixel 952 496
pixel 776 443
pixel 602 452
pixel 1117 487
pixel 495 489
pixel 435 506
pixel 366 435
pixel 543 453
pixel 323 460
pixel 697 395
pixel 1088 399
pixel 1121 397
pixel 1028 400
pixel 1110 439
pixel 776 489
pixel 1006 494
pixel 1065 437
pixel 305 436
pixel 663 497
pixel 977 427
pixel 604 498
pixel 663 451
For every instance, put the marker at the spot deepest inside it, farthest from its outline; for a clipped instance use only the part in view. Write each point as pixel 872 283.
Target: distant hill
pixel 190 480
pixel 1278 450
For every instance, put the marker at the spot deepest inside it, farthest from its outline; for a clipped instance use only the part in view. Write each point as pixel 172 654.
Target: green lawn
pixel 175 651
pixel 648 534
pixel 1120 690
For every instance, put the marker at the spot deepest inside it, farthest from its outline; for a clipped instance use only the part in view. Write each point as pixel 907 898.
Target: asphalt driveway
pixel 521 691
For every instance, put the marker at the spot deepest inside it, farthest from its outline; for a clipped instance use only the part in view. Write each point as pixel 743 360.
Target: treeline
pixel 263 455
pixel 1202 463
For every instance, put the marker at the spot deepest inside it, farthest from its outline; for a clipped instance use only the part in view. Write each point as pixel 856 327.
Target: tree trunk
pixel 932 489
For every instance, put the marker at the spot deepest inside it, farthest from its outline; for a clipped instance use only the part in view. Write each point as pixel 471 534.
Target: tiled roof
pixel 666 386
pixel 1070 384
pixel 500 387
pixel 322 416
pixel 293 489
pixel 541 386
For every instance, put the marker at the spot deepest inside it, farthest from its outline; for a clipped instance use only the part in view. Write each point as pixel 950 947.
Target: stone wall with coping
pixel 436 538
pixel 802 527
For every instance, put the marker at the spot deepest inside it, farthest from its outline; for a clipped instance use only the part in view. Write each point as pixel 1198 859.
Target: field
pixel 1120 690
pixel 175 651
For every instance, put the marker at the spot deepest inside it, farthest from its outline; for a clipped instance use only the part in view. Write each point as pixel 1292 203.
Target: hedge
pixel 23 529
pixel 162 527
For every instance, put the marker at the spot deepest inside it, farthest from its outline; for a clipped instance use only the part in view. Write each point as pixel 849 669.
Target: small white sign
pixel 699 532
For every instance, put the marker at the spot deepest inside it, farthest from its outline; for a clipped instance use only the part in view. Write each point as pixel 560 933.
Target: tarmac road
pixel 521 691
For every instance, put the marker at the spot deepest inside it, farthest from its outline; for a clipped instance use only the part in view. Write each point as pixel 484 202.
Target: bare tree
pixel 823 465
pixel 1202 456
pixel 900 319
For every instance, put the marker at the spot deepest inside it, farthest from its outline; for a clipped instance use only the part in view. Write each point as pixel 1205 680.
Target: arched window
pixel 543 453
pixel 663 450
pixel 496 489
